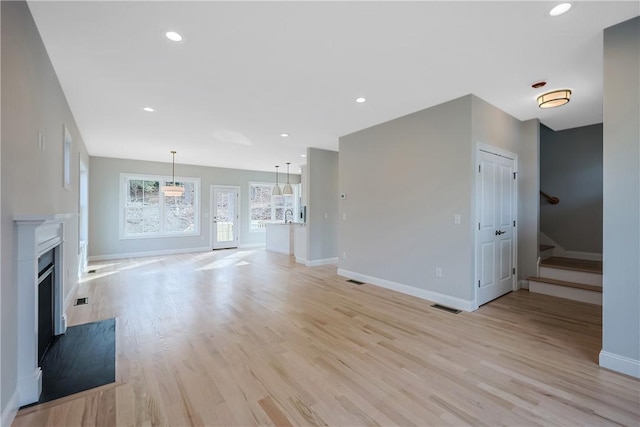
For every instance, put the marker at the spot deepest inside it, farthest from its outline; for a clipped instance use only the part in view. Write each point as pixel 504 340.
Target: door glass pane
pixel 225 212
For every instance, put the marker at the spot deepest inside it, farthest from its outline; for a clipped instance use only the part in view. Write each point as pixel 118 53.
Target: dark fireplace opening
pixel 46 277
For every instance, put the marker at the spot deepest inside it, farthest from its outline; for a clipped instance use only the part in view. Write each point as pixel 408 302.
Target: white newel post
pixel 34 236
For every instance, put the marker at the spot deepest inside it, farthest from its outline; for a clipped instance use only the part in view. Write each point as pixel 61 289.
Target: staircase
pixel 571 278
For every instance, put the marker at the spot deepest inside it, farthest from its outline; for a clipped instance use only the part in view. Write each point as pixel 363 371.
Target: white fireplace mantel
pixel 34 236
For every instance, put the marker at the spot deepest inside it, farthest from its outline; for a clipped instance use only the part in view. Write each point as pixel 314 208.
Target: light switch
pixel 456 219
pixel 326 215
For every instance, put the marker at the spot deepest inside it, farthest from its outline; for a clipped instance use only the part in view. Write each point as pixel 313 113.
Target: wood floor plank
pixel 248 338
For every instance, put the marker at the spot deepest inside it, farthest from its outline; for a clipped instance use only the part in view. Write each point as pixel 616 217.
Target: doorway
pixel 496 204
pixel 224 216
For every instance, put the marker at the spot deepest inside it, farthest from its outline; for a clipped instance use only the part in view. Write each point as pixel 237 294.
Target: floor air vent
pixel 91 271
pixel 355 282
pixel 444 308
pixel 82 301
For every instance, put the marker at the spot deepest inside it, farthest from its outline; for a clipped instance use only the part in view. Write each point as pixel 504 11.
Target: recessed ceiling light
pixel 560 9
pixel 303 155
pixel 173 36
pixel 361 100
pixel 149 109
pixel 284 135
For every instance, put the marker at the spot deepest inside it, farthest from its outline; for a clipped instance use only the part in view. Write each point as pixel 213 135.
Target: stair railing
pixel 551 199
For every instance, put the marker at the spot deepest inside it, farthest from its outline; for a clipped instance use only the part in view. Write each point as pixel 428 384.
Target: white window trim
pixel 122 201
pixel 273 209
pixel 252 183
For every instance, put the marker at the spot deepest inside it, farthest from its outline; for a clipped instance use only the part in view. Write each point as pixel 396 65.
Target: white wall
pixel 621 219
pixel 32 102
pixel 322 208
pixel 104 199
pixel 406 179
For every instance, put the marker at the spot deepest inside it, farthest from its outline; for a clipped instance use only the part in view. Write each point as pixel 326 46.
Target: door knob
pixel 500 232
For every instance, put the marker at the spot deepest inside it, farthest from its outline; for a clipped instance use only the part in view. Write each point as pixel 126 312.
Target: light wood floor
pixel 247 337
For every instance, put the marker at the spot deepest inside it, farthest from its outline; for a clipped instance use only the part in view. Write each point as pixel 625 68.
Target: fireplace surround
pixel 36 235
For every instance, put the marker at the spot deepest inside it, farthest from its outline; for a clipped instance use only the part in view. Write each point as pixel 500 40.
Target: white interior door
pixel 224 217
pixel 496 226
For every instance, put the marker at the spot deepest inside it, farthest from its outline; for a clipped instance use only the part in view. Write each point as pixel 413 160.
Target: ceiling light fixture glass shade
pixel 287 189
pixel 276 188
pixel 554 99
pixel 172 190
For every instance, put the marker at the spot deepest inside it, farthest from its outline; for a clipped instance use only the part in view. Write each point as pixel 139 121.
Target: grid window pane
pixel 147 211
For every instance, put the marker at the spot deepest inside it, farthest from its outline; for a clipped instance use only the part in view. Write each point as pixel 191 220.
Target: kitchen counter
pixel 280 237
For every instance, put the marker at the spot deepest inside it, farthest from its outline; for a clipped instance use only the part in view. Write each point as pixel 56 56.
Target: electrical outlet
pixel 344 255
pixel 344 216
pixel 438 272
pixel 326 215
pixel 456 219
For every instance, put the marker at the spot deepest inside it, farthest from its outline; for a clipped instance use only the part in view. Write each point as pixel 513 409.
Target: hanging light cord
pixel 173 169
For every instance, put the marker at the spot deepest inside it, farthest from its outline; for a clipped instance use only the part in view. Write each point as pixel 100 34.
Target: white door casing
pixel 496 224
pixel 224 216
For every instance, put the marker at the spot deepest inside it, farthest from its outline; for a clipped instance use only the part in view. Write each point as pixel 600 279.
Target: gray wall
pixel 104 199
pixel 571 169
pixel 493 126
pixel 528 196
pixel 32 102
pixel 406 178
pixel 322 208
pixel 621 225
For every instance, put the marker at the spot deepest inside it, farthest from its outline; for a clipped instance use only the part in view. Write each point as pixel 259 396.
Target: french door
pixel 496 217
pixel 224 216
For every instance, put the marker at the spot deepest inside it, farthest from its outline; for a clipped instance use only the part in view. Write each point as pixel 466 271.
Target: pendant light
pixel 173 190
pixel 287 189
pixel 276 188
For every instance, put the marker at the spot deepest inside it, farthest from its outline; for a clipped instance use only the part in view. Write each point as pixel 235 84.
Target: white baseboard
pixel 69 298
pixel 301 260
pixel 523 284
pixel 620 364
pixel 251 245
pixel 318 262
pixel 10 411
pixel 146 254
pixel 439 298
pixel 589 256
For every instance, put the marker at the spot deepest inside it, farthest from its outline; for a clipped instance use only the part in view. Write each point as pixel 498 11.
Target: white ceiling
pixel 248 71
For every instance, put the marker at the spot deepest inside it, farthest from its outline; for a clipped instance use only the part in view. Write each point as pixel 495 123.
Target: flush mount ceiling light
pixel 560 9
pixel 173 190
pixel 287 189
pixel 276 188
pixel 173 36
pixel 303 155
pixel 554 99
pixel 284 135
pixel 361 100
pixel 149 109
